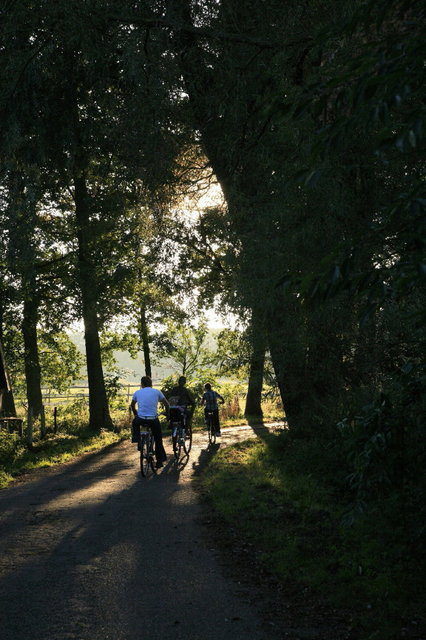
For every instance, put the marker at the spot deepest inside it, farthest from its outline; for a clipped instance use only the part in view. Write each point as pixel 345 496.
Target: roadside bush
pixel 9 447
pixel 74 417
pixel 231 393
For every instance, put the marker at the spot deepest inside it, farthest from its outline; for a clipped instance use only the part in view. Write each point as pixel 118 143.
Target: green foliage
pixel 60 359
pixel 367 441
pixel 10 446
pixel 189 349
pixel 233 353
pixel 113 386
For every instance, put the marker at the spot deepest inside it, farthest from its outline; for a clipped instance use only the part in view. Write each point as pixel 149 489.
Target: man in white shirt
pixel 147 400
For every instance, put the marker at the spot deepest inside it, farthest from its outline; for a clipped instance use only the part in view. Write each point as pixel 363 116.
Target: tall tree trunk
pixel 98 403
pixel 7 404
pixel 31 356
pixel 145 341
pixel 143 328
pixel 287 361
pixel 257 364
pixel 24 195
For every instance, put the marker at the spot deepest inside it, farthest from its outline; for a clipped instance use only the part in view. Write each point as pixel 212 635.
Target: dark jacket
pixel 185 396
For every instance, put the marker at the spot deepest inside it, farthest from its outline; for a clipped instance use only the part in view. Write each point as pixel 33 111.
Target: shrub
pixel 9 446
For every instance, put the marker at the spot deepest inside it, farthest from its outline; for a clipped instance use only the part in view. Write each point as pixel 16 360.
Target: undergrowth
pixel 289 498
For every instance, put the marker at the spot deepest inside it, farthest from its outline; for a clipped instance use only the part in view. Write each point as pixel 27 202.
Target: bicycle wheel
pixel 147 455
pixel 211 429
pixel 187 442
pixel 177 443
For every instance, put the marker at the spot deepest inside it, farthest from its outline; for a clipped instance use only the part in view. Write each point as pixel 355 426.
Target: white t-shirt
pixel 147 400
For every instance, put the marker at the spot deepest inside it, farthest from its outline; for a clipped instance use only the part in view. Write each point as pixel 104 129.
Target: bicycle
pixel 147 450
pixel 181 432
pixel 211 427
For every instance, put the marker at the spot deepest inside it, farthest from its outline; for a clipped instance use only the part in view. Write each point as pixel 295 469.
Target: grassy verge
pixel 16 459
pixel 287 498
pixel 236 421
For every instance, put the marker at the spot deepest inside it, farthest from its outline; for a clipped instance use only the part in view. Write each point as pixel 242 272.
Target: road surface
pixel 89 550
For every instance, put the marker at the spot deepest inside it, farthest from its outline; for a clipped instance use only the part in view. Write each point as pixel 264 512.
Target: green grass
pixel 287 498
pixel 54 449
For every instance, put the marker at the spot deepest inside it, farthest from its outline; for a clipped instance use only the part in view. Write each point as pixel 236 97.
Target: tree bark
pixel 143 329
pixel 145 340
pixel 257 363
pixel 287 360
pixel 31 356
pixel 98 403
pixel 7 404
pixel 22 256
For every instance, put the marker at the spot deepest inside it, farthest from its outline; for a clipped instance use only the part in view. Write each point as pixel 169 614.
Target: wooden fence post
pixel 42 422
pixel 55 419
pixel 30 427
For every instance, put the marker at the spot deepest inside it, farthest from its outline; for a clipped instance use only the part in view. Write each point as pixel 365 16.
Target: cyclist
pixel 209 400
pixel 183 398
pixel 147 400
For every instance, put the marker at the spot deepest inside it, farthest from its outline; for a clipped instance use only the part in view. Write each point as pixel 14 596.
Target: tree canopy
pixel 311 119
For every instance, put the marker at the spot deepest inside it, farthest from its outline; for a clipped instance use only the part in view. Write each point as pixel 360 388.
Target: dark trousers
pixel 215 417
pixel 160 453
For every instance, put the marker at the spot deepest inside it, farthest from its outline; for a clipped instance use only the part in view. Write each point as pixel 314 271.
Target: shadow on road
pixel 174 468
pixel 204 458
pixel 75 544
pixel 89 549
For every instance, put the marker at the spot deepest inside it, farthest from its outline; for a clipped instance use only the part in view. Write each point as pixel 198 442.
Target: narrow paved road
pixel 91 551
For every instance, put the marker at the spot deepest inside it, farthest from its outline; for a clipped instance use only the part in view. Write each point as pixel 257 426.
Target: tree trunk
pixel 24 195
pixel 145 340
pixel 98 403
pixel 287 361
pixel 257 364
pixel 143 328
pixel 7 404
pixel 31 357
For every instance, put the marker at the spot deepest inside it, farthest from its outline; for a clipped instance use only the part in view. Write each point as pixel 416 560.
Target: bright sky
pixel 216 322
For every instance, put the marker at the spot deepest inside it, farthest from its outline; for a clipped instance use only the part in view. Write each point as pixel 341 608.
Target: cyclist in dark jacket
pixel 180 396
pixel 209 400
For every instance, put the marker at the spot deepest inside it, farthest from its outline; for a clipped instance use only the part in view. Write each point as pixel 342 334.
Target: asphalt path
pixel 90 550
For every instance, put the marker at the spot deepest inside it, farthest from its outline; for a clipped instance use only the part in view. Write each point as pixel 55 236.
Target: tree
pixel 229 85
pixel 22 257
pixel 7 404
pixel 189 350
pixel 380 265
pixel 85 101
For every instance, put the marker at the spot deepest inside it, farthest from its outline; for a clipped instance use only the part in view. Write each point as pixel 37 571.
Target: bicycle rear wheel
pixel 177 443
pixel 211 429
pixel 187 442
pixel 147 456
